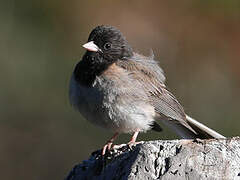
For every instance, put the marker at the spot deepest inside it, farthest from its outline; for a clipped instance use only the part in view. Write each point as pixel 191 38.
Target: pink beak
pixel 90 46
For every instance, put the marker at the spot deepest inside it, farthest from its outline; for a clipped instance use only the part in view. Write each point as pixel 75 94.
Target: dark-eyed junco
pixel 123 91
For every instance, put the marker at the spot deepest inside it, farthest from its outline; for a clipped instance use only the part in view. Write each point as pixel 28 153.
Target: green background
pixel 42 137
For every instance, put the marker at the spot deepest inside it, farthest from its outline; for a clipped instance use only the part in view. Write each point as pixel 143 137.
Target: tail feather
pixel 192 129
pixel 203 132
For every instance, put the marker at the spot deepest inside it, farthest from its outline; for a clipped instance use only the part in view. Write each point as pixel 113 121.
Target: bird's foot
pixel 118 146
pixel 109 146
pixel 106 147
pixel 131 144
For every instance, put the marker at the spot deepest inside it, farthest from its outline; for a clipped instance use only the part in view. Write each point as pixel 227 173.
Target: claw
pixel 133 142
pixel 118 146
pixel 108 145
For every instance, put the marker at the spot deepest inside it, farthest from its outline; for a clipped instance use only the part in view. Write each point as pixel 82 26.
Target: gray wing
pixel 166 104
pixel 147 72
pixel 147 66
pixel 151 78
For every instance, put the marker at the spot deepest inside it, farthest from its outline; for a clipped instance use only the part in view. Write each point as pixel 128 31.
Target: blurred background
pixel 42 137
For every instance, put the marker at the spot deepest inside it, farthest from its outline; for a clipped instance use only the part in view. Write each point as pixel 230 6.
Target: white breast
pixel 113 105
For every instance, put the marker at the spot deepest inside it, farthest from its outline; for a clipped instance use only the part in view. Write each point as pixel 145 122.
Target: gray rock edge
pixel 165 159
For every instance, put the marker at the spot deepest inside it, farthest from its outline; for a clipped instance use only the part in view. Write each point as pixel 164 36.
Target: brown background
pixel 42 137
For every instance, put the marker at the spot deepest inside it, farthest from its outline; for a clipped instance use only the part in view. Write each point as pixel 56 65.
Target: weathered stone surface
pixel 176 159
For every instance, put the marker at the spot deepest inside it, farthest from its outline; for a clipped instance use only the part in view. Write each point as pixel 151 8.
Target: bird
pixel 123 91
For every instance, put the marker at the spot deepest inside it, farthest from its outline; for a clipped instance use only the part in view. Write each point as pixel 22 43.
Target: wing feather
pixel 151 77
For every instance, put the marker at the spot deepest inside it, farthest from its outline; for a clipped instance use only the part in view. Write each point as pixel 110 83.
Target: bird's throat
pixel 86 72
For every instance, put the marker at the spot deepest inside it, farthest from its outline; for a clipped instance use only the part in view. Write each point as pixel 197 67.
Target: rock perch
pixel 165 159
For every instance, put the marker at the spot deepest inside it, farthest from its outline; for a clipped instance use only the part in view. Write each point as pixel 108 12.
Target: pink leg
pixel 108 145
pixel 133 139
pixel 131 143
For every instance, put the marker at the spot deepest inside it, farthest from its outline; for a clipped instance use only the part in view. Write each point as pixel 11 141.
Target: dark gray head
pixel 107 44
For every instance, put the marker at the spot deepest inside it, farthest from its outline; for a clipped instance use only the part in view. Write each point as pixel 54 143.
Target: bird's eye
pixel 107 46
